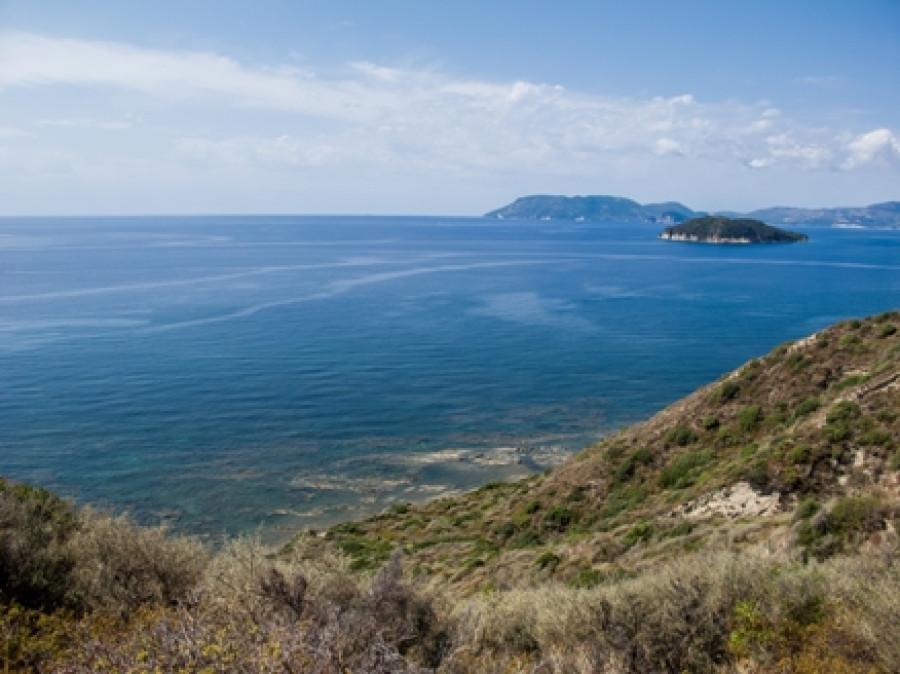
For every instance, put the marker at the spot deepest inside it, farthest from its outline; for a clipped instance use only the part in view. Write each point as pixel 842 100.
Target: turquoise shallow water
pixel 230 373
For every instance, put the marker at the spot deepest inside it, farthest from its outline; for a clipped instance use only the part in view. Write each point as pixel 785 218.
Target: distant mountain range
pixel 601 208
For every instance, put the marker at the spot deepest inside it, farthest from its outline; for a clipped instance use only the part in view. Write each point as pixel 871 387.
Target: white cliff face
pixel 699 239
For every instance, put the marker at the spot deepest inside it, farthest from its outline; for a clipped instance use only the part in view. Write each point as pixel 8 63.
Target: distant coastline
pixel 605 208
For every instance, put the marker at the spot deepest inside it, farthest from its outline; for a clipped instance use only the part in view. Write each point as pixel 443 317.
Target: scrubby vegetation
pixel 749 527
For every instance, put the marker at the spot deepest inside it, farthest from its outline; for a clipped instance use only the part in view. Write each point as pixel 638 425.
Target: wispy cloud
pixel 423 118
pixel 83 123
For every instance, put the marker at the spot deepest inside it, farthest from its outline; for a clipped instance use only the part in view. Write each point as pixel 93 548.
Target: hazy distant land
pixel 600 208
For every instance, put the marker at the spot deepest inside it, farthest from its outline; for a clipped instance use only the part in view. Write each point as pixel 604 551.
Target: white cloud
pixel 783 147
pixel 83 123
pixel 879 147
pixel 10 132
pixel 668 147
pixel 204 112
pixel 760 163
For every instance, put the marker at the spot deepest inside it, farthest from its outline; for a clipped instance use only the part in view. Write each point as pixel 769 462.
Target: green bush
pixel 505 531
pixel 727 391
pixel 807 406
pixel 576 495
pixel 532 507
pixel 807 508
pixel 797 361
pixel 875 437
pixel 629 465
pixel 837 432
pixel 848 341
pixel 623 499
pixel 587 578
pixel 547 559
pixel 852 380
pixel 36 561
pixel 559 518
pixel 801 454
pixel 853 515
pixel 709 423
pixel 527 538
pixel 683 470
pixel 639 533
pixel 681 436
pixel 748 418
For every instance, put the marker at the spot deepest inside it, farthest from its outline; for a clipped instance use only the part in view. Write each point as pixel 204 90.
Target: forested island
pixel 710 229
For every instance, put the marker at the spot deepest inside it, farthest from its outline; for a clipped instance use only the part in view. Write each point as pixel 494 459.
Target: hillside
pixel 710 229
pixel 751 526
pixel 817 419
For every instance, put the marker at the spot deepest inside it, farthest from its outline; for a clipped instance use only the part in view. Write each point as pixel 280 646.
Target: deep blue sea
pixel 230 374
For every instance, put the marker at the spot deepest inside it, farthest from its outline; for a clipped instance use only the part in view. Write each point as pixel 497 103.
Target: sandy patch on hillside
pixel 738 500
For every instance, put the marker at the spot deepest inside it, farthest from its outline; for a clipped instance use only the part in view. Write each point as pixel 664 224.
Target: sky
pixel 433 107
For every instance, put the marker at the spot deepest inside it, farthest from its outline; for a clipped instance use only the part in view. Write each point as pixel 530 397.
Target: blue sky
pixel 417 107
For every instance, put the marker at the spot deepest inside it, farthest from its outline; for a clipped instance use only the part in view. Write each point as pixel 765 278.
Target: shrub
pixel 121 566
pixel 727 391
pixel 622 499
pixel 547 559
pixel 748 418
pixel 639 533
pixel 709 423
pixel 801 454
pixel 756 474
pixel 848 341
pixel 683 528
pixel 681 436
pixel 853 515
pixel 527 539
pixel 852 380
pixel 807 508
pixel 576 495
pixel 532 507
pixel 682 471
pixel 505 531
pixel 875 437
pixel 35 560
pixel 587 578
pixel 628 467
pixel 797 361
pixel 887 330
pixel 559 518
pixel 807 406
pixel 837 432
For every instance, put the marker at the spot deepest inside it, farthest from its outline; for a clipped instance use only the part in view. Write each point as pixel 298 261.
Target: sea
pixel 260 375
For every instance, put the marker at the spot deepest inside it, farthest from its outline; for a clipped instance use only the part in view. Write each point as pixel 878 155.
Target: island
pixel 712 229
pixel 594 208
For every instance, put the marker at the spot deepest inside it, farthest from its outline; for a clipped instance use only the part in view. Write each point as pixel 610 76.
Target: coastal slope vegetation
pixel 750 526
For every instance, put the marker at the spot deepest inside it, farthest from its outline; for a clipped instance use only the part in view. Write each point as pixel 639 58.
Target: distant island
pixel 594 208
pixel 604 208
pixel 710 229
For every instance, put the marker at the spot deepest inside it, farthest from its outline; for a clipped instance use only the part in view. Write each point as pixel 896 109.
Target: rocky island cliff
pixel 722 230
